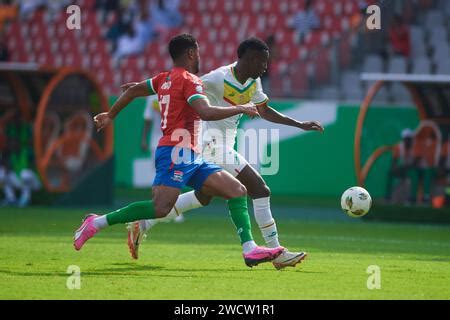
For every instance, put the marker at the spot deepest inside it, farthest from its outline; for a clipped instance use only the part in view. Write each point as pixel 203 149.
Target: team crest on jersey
pixel 166 85
pixel 235 95
pixel 178 176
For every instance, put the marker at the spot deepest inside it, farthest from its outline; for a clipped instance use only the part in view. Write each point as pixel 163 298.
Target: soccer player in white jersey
pixel 228 86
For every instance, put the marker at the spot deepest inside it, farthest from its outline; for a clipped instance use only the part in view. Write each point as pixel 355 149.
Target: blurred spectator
pixel 4 120
pixel 4 53
pixel 305 21
pixel 130 43
pixel 119 28
pixel 133 29
pixel 107 6
pixel 8 11
pixel 55 6
pixel 428 159
pixel 166 15
pixel 443 170
pixel 442 196
pixel 404 162
pixel 358 16
pixel 145 29
pixel 372 41
pixel 28 7
pixel 16 173
pixel 399 37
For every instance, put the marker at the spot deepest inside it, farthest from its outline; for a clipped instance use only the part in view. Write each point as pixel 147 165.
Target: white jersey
pixel 223 89
pixel 151 111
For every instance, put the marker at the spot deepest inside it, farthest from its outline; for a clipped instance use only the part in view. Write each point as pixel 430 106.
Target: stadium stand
pixel 219 25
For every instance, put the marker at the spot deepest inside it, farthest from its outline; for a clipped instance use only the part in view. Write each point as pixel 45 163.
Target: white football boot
pixel 136 234
pixel 288 259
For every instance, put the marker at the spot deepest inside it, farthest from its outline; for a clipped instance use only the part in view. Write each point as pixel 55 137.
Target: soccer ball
pixel 356 202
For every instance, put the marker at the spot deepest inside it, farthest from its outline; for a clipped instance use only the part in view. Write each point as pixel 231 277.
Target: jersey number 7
pixel 164 103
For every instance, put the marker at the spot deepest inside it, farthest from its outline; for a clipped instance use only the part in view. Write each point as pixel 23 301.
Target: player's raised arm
pixel 128 85
pixel 270 114
pixel 140 89
pixel 213 113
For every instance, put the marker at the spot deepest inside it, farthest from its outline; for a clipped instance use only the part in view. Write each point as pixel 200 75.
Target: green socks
pixel 135 211
pixel 239 215
pixel 145 210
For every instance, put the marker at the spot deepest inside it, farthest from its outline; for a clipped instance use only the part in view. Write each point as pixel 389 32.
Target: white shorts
pixel 26 179
pixel 225 157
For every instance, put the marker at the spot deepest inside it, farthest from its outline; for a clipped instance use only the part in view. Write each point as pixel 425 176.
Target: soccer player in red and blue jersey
pixel 183 106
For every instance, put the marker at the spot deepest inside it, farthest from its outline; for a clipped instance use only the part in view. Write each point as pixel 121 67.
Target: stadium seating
pixel 219 26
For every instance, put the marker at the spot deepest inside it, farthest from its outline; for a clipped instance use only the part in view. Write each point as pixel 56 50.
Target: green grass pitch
pixel 201 259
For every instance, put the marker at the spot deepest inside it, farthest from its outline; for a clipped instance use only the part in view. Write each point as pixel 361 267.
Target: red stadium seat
pixel 321 63
pixel 218 19
pixel 13 30
pixel 283 8
pixel 212 6
pixel 344 49
pixel 89 4
pixel 206 20
pixel 212 35
pixel 295 6
pixel 299 80
pixel 229 6
pixel 190 18
pixel 218 25
pixel 269 6
pixel 273 21
pixel 313 39
pixel 201 6
pixel 257 7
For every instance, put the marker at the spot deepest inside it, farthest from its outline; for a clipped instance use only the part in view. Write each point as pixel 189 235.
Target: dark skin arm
pixel 268 113
pixel 202 106
pixel 213 113
pixel 104 119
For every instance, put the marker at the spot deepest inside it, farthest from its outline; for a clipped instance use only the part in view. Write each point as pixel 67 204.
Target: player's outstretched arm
pixel 140 89
pixel 272 115
pixel 213 113
pixel 128 85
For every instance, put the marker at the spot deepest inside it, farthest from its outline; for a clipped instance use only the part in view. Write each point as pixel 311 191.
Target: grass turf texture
pixel 201 259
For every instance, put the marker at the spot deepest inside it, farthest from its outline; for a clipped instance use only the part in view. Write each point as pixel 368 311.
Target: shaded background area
pixel 314 74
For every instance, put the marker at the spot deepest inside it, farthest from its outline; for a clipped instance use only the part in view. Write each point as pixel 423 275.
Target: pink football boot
pixel 85 232
pixel 261 254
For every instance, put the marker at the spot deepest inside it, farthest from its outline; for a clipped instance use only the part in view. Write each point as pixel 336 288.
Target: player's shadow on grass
pixel 34 274
pixel 123 268
pixel 130 269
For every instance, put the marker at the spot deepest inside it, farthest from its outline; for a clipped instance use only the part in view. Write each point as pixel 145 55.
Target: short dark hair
pixel 251 44
pixel 180 43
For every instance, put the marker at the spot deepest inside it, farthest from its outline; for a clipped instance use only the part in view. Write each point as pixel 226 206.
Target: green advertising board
pixel 310 163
